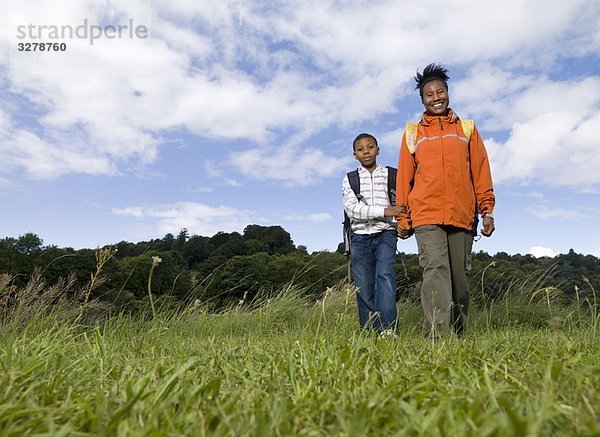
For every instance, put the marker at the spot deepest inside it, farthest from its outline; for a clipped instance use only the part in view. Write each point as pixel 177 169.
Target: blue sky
pixel 242 112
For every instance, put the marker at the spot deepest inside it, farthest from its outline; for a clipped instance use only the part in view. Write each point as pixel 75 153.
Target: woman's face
pixel 435 98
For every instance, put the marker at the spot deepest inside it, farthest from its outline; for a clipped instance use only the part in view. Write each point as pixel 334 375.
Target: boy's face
pixel 365 151
pixel 435 98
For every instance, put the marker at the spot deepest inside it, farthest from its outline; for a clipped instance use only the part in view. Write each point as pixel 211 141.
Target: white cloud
pixel 553 124
pixel 212 169
pixel 232 183
pixel 202 190
pixel 6 183
pixel 131 211
pixel 42 159
pixel 292 166
pixel 558 211
pixel 357 38
pixel 182 39
pixel 527 194
pixel 498 98
pixel 232 70
pixel 316 217
pixel 558 149
pixel 203 219
pixel 319 217
pixel 5 122
pixel 391 140
pixel 539 251
pixel 198 218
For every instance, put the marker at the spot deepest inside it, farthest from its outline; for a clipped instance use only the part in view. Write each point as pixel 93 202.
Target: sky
pixel 213 115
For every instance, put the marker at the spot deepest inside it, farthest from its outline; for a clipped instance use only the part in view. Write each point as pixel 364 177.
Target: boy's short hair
pixel 361 136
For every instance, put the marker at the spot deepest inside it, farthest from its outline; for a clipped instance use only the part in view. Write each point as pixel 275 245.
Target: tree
pixel 20 256
pixel 209 269
pixel 221 238
pixel 61 262
pixel 29 244
pixel 233 247
pixel 182 238
pixel 125 248
pixel 168 242
pixel 278 240
pixel 256 246
pixel 196 250
pixel 326 269
pixel 244 276
pixel 8 255
pixel 169 277
pixel 287 268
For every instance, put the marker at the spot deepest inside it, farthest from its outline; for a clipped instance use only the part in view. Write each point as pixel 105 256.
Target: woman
pixel 444 181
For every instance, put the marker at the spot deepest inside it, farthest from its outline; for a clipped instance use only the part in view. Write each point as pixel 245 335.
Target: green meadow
pixel 285 365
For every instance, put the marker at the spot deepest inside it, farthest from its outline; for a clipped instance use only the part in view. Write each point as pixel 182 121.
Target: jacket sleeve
pixel 404 179
pixel 357 210
pixel 481 174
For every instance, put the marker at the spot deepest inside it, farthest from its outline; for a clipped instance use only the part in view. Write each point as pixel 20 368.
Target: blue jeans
pixel 373 259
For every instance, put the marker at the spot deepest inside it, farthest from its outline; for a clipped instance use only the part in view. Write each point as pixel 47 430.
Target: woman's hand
pixel 488 226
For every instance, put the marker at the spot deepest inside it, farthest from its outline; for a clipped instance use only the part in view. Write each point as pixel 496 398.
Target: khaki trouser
pixel 445 256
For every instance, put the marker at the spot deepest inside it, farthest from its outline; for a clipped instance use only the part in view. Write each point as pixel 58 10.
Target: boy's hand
pixel 392 211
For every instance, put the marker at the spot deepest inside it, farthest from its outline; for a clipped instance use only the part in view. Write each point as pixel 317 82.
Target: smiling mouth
pixel 438 105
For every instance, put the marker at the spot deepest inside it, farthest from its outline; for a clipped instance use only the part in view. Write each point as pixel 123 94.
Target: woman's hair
pixel 431 72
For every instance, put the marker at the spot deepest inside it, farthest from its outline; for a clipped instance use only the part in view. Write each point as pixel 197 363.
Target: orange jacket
pixel 440 182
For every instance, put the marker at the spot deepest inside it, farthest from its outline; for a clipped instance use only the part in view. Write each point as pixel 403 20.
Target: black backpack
pixel 354 180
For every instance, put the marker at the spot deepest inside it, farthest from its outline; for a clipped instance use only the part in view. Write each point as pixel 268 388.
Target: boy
pixel 373 243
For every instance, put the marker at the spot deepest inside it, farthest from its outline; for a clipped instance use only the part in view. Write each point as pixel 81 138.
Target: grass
pixel 290 367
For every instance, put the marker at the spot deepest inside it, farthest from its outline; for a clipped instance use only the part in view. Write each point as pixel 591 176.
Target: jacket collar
pixel 377 169
pixel 449 118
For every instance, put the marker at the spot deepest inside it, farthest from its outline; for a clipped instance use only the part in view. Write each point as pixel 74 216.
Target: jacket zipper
pixel 443 172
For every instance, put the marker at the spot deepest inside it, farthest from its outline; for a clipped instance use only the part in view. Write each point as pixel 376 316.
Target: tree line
pixel 233 268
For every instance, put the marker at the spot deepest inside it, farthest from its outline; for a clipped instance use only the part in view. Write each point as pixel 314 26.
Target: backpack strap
pixel 392 173
pixel 467 127
pixel 411 137
pixel 354 180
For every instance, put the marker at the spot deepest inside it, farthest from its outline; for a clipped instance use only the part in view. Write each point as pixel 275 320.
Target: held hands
pixel 488 226
pixel 405 233
pixel 405 229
